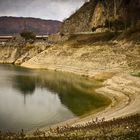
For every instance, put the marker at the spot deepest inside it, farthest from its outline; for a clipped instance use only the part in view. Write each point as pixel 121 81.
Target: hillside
pixel 13 25
pixel 87 54
pixel 111 56
pixel 97 14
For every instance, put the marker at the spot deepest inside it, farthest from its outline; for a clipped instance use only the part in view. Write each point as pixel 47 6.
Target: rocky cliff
pixel 96 14
pixel 13 25
pixel 18 50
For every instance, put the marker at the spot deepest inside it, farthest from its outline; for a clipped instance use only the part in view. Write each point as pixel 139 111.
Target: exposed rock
pixel 100 30
pixel 55 38
pixel 80 20
pixel 103 13
pixel 89 58
pixel 17 50
pixel 99 16
pixel 16 41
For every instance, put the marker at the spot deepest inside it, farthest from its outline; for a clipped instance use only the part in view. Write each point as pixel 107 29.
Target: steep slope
pixel 87 54
pixel 18 50
pixel 13 25
pixel 80 20
pixel 117 14
pixel 112 55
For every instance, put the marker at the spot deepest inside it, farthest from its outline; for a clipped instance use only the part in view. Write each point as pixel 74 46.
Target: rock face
pixel 13 25
pixel 101 14
pixel 17 50
pixel 80 20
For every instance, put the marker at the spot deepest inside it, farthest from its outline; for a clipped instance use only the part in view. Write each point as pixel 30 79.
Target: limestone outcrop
pixel 117 14
pixel 17 50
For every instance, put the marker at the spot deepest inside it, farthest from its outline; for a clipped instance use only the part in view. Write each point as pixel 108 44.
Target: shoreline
pixel 123 90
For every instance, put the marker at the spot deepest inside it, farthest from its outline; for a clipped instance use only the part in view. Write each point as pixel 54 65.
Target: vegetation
pixel 29 45
pixel 127 128
pixel 102 38
pixel 28 35
pixel 136 74
pixel 132 34
pixel 116 20
pixel 115 25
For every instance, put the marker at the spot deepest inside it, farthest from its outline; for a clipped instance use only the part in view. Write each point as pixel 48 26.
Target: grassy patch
pixel 136 74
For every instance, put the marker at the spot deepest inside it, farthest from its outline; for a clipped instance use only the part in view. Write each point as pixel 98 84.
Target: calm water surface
pixel 33 98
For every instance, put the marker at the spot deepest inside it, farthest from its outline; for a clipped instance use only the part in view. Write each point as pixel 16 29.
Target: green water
pixel 37 98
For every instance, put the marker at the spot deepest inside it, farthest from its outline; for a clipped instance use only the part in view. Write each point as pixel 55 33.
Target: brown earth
pixel 15 25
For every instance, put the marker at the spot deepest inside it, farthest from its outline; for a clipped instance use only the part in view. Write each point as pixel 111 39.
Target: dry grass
pixel 78 40
pixel 132 34
pixel 127 128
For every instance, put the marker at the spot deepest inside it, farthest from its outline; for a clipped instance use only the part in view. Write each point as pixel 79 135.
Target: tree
pixel 115 9
pixel 113 14
pixel 117 5
pixel 28 35
pixel 107 6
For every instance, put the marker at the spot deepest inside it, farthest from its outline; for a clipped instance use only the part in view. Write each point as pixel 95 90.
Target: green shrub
pixel 116 24
pixel 28 35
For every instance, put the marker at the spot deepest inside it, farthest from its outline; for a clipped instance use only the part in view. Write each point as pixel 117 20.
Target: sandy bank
pixel 124 91
pixel 99 60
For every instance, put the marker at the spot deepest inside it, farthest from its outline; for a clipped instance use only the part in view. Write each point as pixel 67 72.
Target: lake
pixel 37 98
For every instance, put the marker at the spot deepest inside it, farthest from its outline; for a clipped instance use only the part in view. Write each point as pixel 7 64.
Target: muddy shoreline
pixel 124 91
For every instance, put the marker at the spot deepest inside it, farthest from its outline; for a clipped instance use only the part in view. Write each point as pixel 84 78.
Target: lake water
pixel 37 98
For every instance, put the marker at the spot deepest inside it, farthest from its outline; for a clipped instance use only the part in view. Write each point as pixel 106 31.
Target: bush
pixel 28 35
pixel 116 24
pixel 131 34
pixel 93 29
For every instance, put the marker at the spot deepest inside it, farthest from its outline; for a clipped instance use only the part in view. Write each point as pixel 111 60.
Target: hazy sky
pixel 46 9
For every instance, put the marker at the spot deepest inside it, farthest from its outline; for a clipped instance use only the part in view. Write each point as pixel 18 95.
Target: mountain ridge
pixel 13 25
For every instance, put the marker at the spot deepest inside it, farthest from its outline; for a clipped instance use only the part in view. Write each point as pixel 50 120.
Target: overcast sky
pixel 46 9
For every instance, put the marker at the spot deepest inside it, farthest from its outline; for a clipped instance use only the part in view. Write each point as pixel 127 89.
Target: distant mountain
pixel 13 25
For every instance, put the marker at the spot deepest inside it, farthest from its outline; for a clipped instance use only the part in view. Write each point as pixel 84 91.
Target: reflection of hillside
pixel 25 84
pixel 70 89
pixel 13 68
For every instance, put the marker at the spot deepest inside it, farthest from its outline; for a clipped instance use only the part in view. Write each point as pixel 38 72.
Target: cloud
pixel 47 9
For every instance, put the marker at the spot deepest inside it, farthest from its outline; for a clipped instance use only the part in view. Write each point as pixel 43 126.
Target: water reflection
pixel 37 98
pixel 25 84
pixel 75 93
